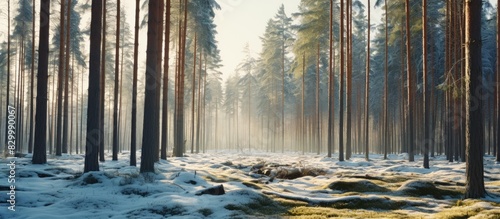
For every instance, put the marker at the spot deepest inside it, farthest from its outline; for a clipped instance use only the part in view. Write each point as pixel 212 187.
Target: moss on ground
pixel 252 185
pixel 368 203
pixel 359 186
pixel 470 208
pixel 259 206
pixel 323 212
pixel 457 213
pixel 287 203
pixel 418 188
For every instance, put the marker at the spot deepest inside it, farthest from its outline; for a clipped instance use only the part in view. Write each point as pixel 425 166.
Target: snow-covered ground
pixel 379 187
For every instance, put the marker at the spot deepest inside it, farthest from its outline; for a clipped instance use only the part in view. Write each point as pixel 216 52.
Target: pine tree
pixel 117 62
pixel 40 147
pixel 179 141
pixel 7 99
pixel 32 81
pixel 66 79
pixel 425 89
pixel 331 113
pixel 498 82
pixel 164 126
pixel 148 155
pixel 93 109
pixel 367 87
pixel 133 134
pixel 474 187
pixel 102 83
pixel 410 83
pixel 60 77
pixel 341 89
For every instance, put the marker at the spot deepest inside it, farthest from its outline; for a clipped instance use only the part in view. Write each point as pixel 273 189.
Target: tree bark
pixel 66 81
pixel 40 147
pixel 148 138
pixel 349 82
pixel 318 120
pixel 303 106
pixel 193 92
pixel 386 83
pixel 410 83
pixel 331 93
pixel 60 77
pixel 7 99
pixel 102 84
pixel 179 123
pixel 164 128
pixel 199 105
pixel 117 70
pixel 426 93
pixel 341 89
pixel 497 112
pixel 32 75
pixel 133 128
pixel 367 88
pixel 156 124
pixel 93 109
pixel 474 138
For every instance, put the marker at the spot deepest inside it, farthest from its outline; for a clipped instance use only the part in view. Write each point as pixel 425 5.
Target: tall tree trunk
pixel 203 104
pixel 199 105
pixel 133 128
pixel 193 92
pixel 359 103
pixel 156 124
pixel 318 120
pixel 179 140
pixel 433 101
pixel 367 87
pixel 66 80
pixel 148 138
pixel 53 113
pixel 349 81
pixel 78 133
pixel 71 107
pixel 20 98
pixel 474 173
pixel 426 93
pixel 177 79
pixel 60 77
pixel 102 83
pixel 121 134
pixel 32 75
pixel 331 94
pixel 164 126
pixel 40 147
pixel 93 109
pixel 410 82
pixel 115 99
pixel 341 89
pixel 249 114
pixel 303 106
pixel 81 114
pixel 386 83
pixel 497 112
pixel 282 97
pixel 7 101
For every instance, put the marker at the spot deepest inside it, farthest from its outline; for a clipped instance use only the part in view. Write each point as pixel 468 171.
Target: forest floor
pixel 257 185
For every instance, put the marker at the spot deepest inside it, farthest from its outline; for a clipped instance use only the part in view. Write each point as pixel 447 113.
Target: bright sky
pixel 244 21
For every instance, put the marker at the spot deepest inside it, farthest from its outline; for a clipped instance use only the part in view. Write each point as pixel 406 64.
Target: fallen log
pixel 216 190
